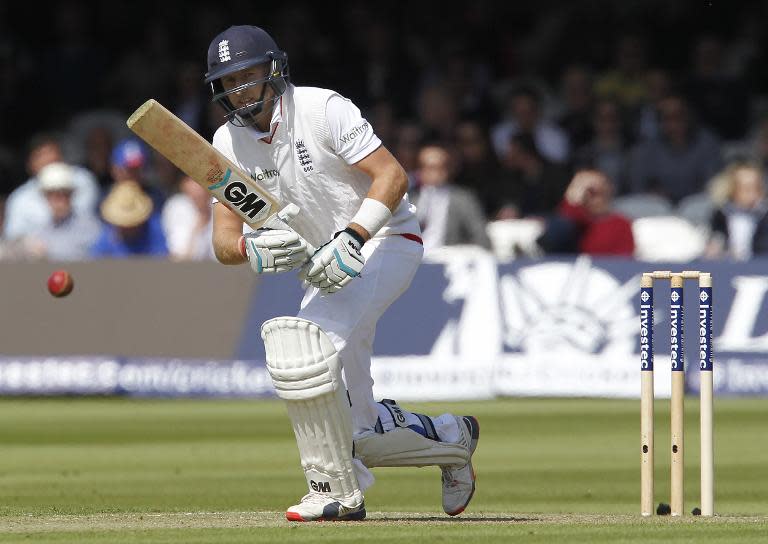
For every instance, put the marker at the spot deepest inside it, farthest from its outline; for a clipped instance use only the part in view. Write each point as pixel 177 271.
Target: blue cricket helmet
pixel 238 48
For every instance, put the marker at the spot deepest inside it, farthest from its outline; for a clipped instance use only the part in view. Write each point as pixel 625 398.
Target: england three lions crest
pixel 302 156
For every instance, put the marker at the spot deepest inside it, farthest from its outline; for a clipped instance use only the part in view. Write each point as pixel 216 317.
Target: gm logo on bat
pixel 237 193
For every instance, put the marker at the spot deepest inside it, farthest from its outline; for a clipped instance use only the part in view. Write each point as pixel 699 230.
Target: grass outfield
pixel 120 470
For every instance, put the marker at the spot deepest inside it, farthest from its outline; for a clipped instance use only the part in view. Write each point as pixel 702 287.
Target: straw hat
pixel 126 205
pixel 57 176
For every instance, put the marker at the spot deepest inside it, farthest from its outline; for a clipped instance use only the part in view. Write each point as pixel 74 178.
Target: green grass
pixel 120 470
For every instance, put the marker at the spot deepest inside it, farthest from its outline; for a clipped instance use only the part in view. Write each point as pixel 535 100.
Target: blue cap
pixel 129 153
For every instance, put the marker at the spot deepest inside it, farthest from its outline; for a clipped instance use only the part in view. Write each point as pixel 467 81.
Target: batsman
pixel 311 147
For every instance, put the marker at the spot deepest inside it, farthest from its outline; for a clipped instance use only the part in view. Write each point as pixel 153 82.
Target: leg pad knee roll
pixel 301 359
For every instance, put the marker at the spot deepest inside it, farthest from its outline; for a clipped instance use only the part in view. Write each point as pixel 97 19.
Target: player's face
pixel 60 202
pixel 748 187
pixel 252 93
pixel 597 197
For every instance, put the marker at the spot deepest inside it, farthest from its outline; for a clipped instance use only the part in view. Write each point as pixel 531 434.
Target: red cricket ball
pixel 60 283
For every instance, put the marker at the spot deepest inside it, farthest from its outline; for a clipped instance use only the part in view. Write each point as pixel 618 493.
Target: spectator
pixel 449 215
pixel 382 116
pixel 71 234
pixel 760 240
pixel 130 161
pixel 525 116
pixel 680 162
pixel 760 143
pixel 739 228
pixel 467 76
pixel 478 168
pixel 98 147
pixel 438 111
pixel 533 185
pixel 577 96
pixel 131 228
pixel 384 45
pixel 626 81
pixel 165 177
pixel 721 100
pixel 378 53
pixel 26 209
pixel 75 58
pixel 190 100
pixel 586 222
pixel 187 222
pixel 90 137
pixel 608 151
pixel 410 136
pixel 647 125
pixel 144 70
pixel 10 173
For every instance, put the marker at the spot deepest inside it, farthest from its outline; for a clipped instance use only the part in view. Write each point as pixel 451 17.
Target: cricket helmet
pixel 238 48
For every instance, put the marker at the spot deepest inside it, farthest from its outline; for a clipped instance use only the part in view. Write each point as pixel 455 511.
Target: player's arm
pixel 227 231
pixel 340 260
pixel 389 184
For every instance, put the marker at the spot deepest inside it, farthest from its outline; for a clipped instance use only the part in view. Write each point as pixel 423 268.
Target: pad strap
pixel 407 420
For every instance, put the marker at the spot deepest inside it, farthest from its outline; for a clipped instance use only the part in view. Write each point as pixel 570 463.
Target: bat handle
pixel 286 217
pixel 288 213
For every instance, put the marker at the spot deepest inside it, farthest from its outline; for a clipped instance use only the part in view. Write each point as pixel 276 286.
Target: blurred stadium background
pixel 668 99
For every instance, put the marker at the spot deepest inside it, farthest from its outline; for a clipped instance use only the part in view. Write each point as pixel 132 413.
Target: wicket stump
pixel 677 351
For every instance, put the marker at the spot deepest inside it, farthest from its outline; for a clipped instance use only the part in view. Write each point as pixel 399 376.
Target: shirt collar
pixel 277 117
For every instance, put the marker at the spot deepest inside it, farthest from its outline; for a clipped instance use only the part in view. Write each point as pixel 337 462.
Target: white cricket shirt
pixel 315 138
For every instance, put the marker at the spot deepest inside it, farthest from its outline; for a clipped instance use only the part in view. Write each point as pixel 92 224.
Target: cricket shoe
pixel 459 483
pixel 318 507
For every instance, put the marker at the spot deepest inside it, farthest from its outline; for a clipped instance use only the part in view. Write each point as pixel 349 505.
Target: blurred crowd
pixel 606 128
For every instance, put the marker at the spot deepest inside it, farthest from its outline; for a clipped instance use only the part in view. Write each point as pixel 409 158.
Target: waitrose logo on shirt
pixel 265 174
pixel 354 133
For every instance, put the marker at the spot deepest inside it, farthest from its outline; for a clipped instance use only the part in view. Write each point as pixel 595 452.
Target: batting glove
pixel 336 263
pixel 274 250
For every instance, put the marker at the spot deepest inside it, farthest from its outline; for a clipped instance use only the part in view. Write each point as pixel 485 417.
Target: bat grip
pixel 284 218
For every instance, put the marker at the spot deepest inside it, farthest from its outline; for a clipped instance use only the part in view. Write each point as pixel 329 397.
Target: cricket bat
pixel 194 156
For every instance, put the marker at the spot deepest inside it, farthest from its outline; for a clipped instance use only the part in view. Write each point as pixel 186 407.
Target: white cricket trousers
pixel 349 316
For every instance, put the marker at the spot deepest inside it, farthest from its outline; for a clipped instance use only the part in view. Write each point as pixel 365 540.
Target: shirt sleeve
pixel 352 137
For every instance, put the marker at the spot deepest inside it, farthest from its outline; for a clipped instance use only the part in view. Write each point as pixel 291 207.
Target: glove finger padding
pixel 277 238
pixel 275 250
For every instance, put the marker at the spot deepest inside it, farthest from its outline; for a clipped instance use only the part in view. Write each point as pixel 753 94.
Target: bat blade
pixel 197 158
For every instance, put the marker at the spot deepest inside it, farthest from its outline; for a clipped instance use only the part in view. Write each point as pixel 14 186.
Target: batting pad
pixel 306 373
pixel 407 448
